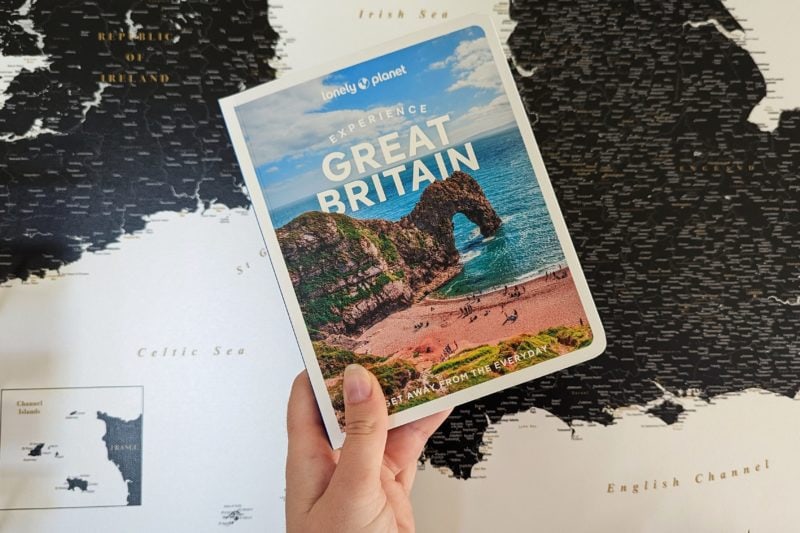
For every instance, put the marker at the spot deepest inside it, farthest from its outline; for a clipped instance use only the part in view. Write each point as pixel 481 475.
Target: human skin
pixel 364 487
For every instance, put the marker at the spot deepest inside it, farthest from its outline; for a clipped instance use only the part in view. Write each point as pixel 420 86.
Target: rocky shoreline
pixel 350 274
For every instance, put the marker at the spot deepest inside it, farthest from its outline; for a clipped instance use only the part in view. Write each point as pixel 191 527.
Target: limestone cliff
pixel 460 193
pixel 350 273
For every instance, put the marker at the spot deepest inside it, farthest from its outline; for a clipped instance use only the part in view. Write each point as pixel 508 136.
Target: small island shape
pixel 74 483
pixel 36 451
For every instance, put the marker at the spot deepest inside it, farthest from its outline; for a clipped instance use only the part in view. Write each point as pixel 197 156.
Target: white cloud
pixel 482 119
pixel 473 64
pixel 290 123
pixel 300 186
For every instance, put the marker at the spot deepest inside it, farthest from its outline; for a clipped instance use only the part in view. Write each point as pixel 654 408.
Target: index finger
pixel 404 444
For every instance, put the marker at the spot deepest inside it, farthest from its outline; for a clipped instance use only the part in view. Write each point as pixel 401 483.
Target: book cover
pixel 411 224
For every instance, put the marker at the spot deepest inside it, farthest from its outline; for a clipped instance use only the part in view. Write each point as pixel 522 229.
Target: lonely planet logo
pixel 364 83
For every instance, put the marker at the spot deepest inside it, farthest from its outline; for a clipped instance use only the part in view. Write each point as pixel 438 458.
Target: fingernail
pixel 357 384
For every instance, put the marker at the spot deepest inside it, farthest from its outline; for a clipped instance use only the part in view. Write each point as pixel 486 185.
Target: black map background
pixel 685 216
pixel 146 148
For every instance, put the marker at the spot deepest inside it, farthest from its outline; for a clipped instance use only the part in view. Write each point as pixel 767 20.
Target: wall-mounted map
pixel 669 133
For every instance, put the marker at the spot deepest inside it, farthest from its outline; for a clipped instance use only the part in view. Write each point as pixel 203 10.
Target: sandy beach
pixel 423 331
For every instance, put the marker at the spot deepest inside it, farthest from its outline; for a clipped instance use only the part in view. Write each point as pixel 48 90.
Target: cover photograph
pixel 411 223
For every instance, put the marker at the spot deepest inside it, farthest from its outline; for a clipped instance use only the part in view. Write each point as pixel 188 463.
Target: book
pixel 411 224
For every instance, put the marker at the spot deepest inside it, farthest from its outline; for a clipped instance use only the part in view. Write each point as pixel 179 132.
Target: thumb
pixel 366 423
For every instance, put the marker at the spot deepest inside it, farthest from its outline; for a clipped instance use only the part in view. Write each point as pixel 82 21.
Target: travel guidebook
pixel 411 223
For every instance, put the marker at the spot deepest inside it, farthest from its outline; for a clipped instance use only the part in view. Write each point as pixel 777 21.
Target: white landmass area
pixel 27 24
pixel 35 130
pixel 770 35
pixel 95 101
pixel 11 66
pixel 789 302
pixel 133 28
pixel 540 476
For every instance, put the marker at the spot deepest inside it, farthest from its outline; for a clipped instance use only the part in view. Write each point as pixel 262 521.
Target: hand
pixel 365 486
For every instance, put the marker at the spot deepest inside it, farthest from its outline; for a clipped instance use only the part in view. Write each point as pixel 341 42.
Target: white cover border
pixel 229 105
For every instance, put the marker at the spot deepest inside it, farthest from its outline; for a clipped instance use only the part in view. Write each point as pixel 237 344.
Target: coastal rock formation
pixel 350 273
pixel 460 193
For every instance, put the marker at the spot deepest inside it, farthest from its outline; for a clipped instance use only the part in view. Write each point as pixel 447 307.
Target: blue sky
pixel 287 132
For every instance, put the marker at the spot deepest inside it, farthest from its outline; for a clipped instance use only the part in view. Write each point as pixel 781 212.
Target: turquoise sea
pixel 526 244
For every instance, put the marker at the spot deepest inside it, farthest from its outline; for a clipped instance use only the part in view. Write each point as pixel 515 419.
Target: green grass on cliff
pixel 333 360
pixel 321 297
pixel 347 228
pixel 401 378
pixel 387 248
pixel 392 376
pixel 322 309
pixel 381 241
pixel 474 361
pixel 576 336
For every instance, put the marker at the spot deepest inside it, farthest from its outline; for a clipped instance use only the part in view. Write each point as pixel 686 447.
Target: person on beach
pixel 511 318
pixel 365 486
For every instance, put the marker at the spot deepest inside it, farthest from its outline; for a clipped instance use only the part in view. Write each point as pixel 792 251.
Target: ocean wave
pixel 541 272
pixel 469 256
pixel 527 276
